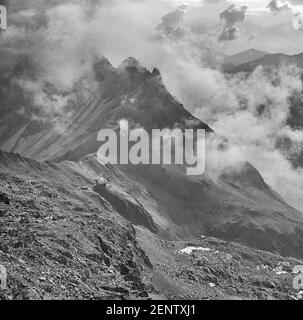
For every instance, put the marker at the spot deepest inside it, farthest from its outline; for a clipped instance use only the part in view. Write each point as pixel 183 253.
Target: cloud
pixel 173 24
pixel 252 113
pixel 230 33
pixel 298 21
pixel 232 16
pixel 278 6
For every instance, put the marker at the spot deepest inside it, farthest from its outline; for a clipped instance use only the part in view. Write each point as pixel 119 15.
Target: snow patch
pixel 189 250
pixel 279 271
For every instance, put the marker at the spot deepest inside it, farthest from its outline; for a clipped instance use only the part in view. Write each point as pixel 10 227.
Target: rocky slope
pixel 211 269
pixel 59 240
pixel 64 237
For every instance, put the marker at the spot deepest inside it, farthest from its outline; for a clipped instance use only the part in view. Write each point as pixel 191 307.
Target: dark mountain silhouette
pixel 129 92
pixel 269 60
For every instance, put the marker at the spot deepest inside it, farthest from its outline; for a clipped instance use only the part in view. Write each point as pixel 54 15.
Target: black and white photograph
pixel 151 151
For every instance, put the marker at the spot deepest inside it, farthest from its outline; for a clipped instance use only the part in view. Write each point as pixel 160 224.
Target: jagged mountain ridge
pixel 239 206
pixel 129 92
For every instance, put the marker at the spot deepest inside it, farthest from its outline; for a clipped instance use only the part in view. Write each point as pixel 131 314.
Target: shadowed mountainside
pixel 239 206
pixel 127 92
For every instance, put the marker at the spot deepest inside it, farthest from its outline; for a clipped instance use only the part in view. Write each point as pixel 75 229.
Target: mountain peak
pixel 101 67
pixel 133 67
pixel 130 62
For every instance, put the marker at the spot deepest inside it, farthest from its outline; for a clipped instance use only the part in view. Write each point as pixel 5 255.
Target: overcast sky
pixel 279 29
pixel 263 29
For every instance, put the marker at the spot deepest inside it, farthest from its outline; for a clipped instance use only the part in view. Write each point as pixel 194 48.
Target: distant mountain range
pixel 245 64
pixel 233 61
